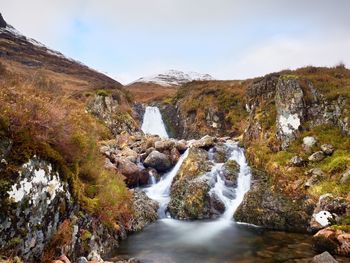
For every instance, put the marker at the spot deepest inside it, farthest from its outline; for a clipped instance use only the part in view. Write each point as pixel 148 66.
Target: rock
pixel 325 257
pixel 297 161
pixel 164 145
pixel 317 156
pixel 174 156
pixel 130 170
pixel 64 259
pixel 335 241
pixel 181 146
pixel 82 260
pixel 230 173
pixel 328 149
pixel 145 211
pixel 345 178
pixel 205 142
pixel 309 142
pixel 144 177
pixel 219 153
pixel 94 256
pixel 217 206
pixel 316 176
pixel 109 165
pixel 158 161
pixel 273 209
pixel 290 108
pixel 129 154
pixel 327 211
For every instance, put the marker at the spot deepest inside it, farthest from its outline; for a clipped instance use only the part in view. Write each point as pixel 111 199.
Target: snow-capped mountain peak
pixel 174 78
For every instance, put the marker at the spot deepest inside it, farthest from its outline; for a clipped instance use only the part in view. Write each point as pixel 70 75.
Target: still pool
pixel 173 241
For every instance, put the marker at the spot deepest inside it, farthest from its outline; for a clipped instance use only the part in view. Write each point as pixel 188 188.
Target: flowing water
pixel 221 240
pixel 153 123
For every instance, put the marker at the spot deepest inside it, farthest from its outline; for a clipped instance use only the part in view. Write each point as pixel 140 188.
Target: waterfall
pixel 231 197
pixel 153 123
pixel 161 190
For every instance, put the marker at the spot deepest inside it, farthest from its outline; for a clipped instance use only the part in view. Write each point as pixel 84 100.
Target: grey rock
pixel 82 260
pixel 345 177
pixel 297 161
pixel 317 156
pixel 325 257
pixel 158 161
pixel 309 142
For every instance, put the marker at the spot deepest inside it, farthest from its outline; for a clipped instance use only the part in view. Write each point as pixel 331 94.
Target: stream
pixel 220 240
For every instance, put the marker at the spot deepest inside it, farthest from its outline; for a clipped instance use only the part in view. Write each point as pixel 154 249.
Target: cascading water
pixel 161 190
pixel 153 123
pixel 231 197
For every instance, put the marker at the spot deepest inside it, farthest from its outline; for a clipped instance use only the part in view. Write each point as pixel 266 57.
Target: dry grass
pixel 149 92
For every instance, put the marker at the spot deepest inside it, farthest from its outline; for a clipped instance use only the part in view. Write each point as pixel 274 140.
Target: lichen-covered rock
pixel 317 156
pixel 219 153
pixel 328 210
pixel 158 161
pixel 36 204
pixel 333 240
pixel 309 142
pixel 345 178
pixel 290 109
pixel 145 211
pixel 273 209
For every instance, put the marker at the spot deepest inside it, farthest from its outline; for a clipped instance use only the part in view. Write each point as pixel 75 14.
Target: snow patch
pixel 174 78
pixel 289 123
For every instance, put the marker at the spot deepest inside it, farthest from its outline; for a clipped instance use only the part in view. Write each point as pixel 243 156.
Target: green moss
pixel 85 235
pixel 289 76
pixel 103 93
pixel 337 163
pixel 345 228
pixel 282 157
pixel 14 242
pixel 330 186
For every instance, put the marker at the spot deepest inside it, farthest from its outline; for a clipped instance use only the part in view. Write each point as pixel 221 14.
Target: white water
pixel 231 197
pixel 153 123
pixel 161 190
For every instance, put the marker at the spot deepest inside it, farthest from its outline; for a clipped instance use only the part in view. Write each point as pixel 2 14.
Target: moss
pixel 345 228
pixel 337 163
pixel 330 186
pixel 85 235
pixel 14 242
pixel 103 93
pixel 289 77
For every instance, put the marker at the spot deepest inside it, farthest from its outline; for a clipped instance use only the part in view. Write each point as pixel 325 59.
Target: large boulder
pixel 328 210
pixel 158 161
pixel 190 198
pixel 333 240
pixel 130 170
pixel 205 142
pixel 273 209
pixel 145 211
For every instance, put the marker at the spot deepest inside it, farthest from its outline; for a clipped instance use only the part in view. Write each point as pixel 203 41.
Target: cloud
pixel 226 38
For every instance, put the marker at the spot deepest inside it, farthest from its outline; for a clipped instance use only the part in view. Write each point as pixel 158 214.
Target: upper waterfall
pixel 153 123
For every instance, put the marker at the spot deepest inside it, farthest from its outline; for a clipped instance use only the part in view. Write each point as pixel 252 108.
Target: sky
pixel 229 39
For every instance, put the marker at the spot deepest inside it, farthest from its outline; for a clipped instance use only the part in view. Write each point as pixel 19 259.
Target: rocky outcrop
pixel 190 197
pixel 158 161
pixel 33 208
pixel 3 23
pixel 109 110
pixel 273 209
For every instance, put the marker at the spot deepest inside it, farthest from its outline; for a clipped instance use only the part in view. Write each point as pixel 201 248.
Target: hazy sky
pixel 230 39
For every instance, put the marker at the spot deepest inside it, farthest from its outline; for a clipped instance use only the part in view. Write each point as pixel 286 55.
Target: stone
pixel 82 260
pixel 328 149
pixel 345 178
pixel 335 241
pixel 94 256
pixel 174 155
pixel 297 161
pixel 317 156
pixel 145 211
pixel 309 142
pixel 230 173
pixel 217 206
pixel 158 161
pixel 325 257
pixel 316 176
pixel 205 142
pixel 164 145
pixel 130 170
pixel 181 146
